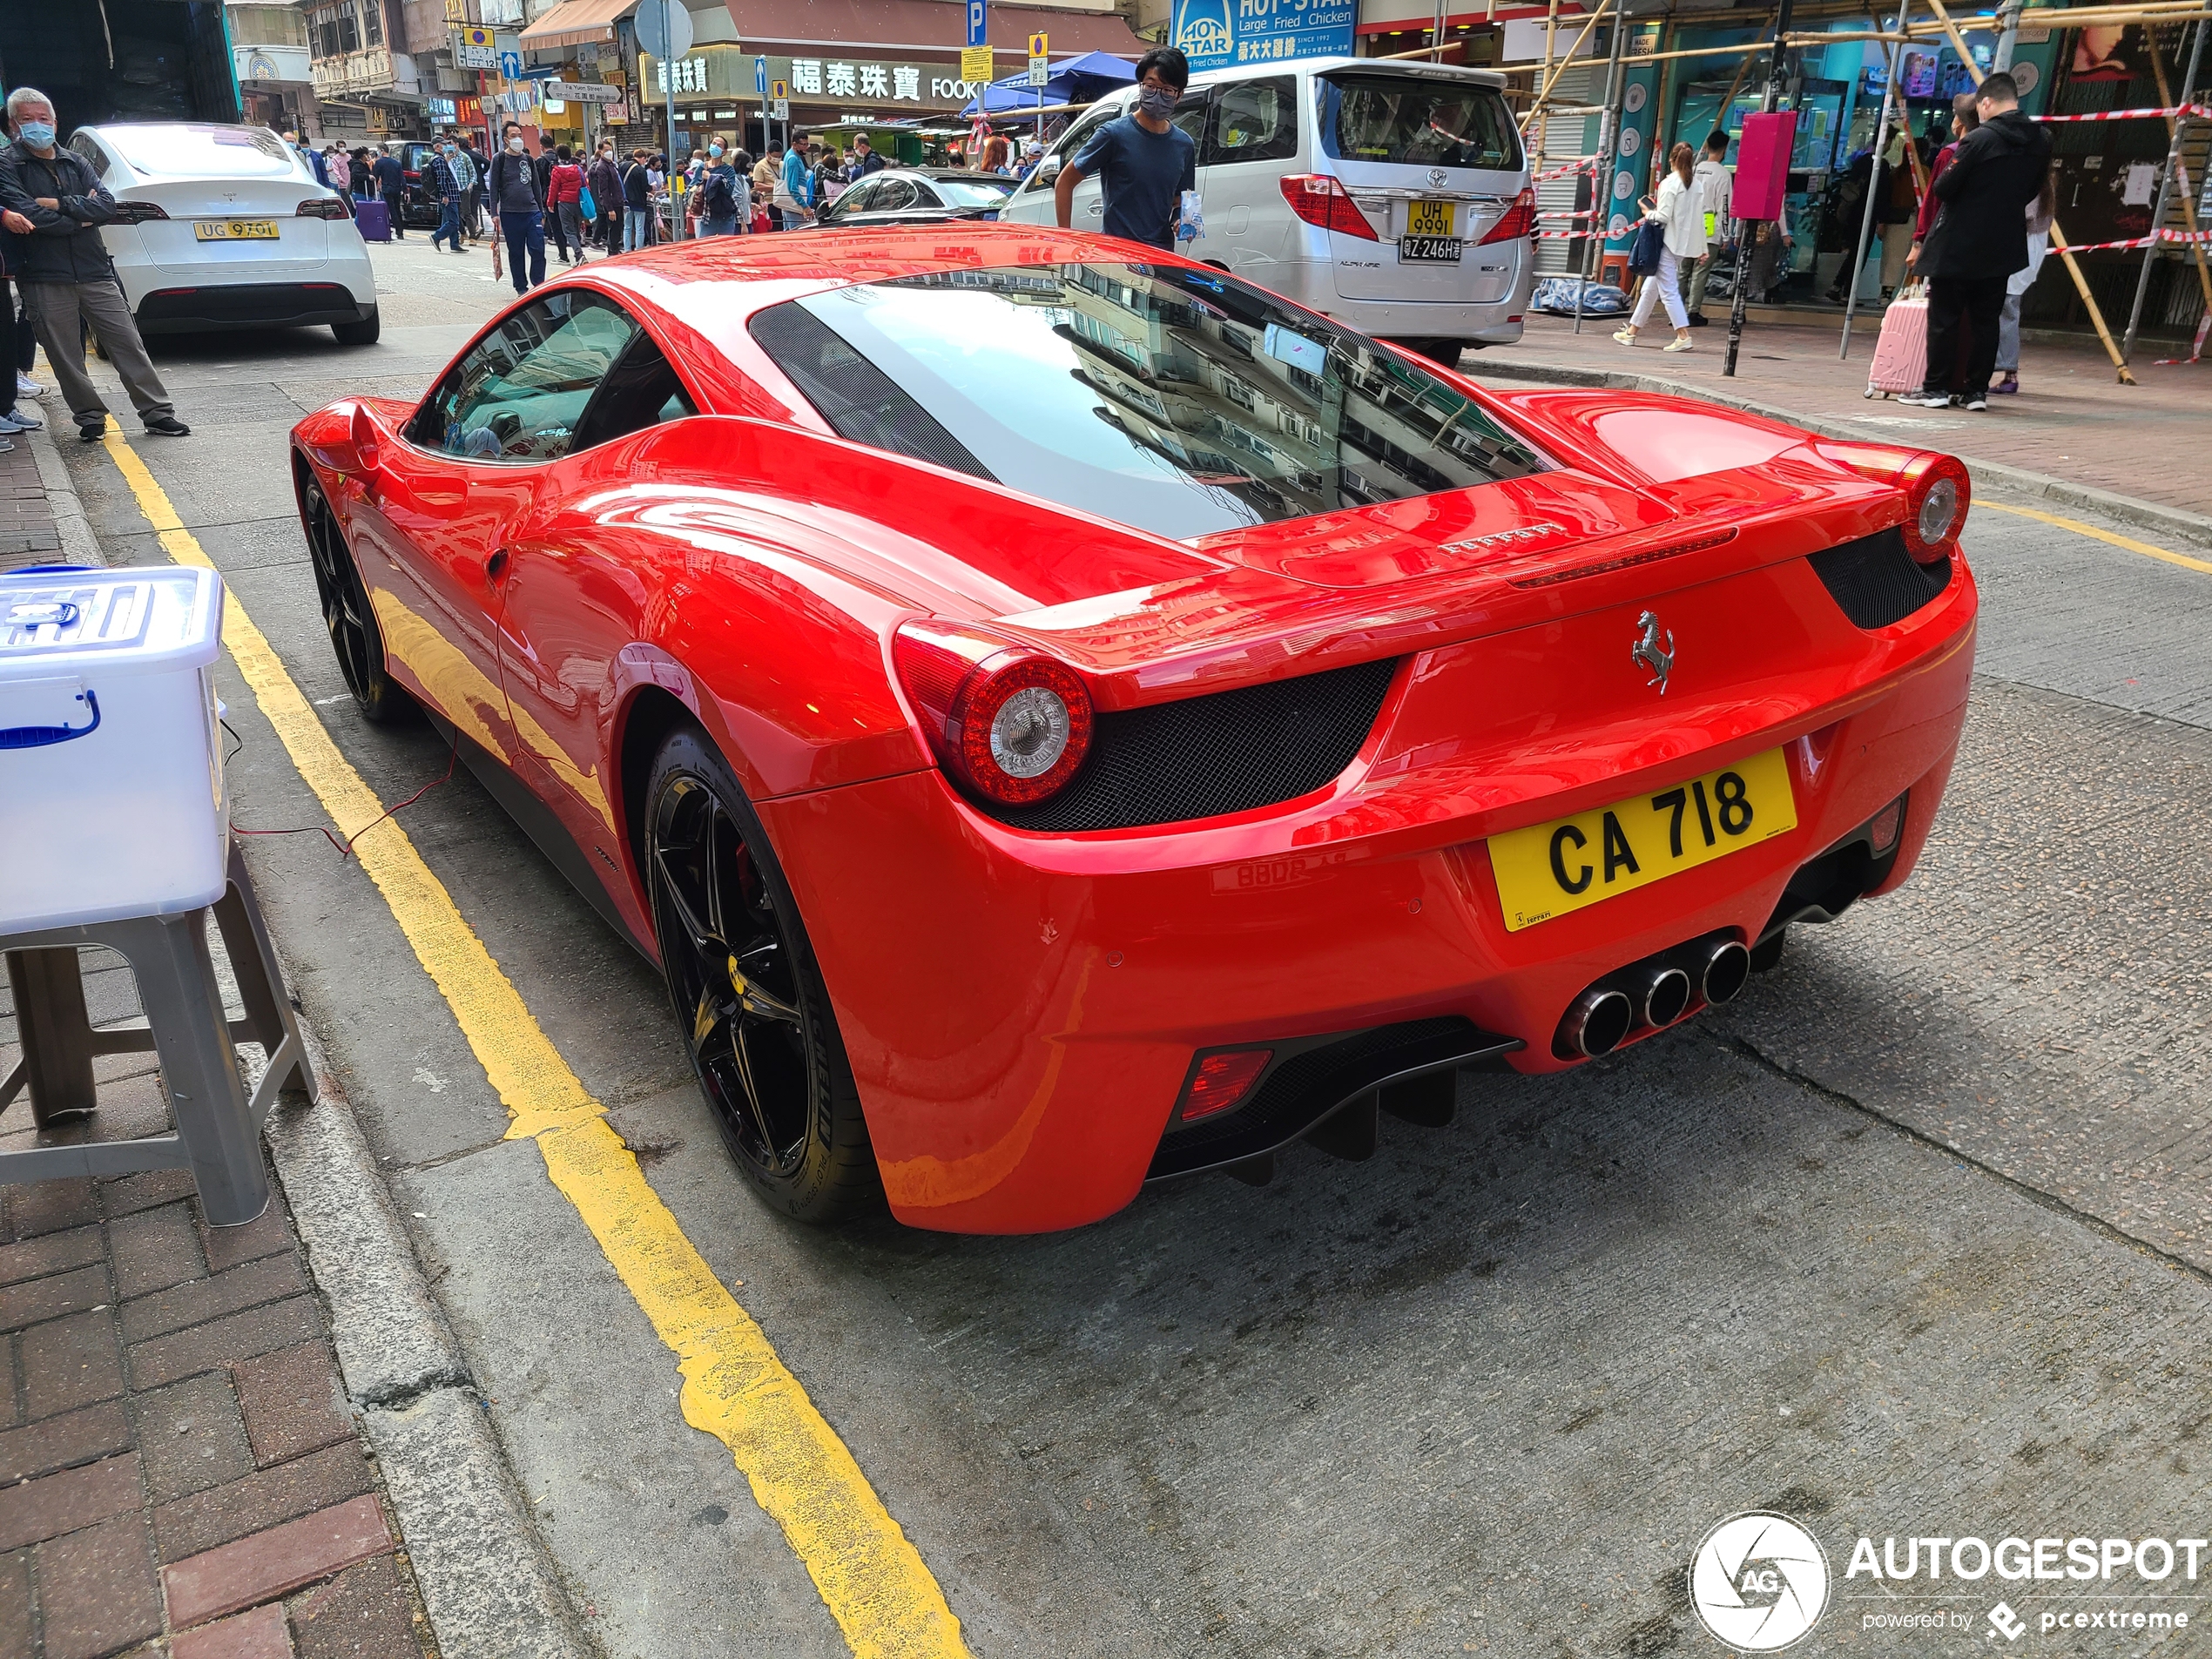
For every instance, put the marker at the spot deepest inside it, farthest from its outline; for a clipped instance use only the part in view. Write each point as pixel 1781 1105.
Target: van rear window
pixel 1418 122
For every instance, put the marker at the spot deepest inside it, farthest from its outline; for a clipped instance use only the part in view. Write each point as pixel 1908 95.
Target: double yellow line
pixel 874 1583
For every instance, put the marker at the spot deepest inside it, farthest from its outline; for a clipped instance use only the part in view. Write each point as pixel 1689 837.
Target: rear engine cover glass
pixel 1182 402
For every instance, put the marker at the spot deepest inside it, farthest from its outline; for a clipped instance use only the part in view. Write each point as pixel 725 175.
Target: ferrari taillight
pixel 1937 494
pixel 1937 490
pixel 1011 724
pixel 1319 199
pixel 1220 1081
pixel 1520 219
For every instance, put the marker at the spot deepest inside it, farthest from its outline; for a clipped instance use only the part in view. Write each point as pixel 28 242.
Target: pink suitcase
pixel 1901 354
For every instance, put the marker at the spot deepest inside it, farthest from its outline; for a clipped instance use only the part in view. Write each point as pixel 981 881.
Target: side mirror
pixel 1049 170
pixel 365 438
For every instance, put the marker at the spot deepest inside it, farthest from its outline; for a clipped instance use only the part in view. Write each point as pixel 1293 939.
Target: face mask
pixel 714 149
pixel 40 134
pixel 514 146
pixel 1157 102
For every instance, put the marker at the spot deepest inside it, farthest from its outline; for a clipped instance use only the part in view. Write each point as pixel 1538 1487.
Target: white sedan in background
pixel 225 227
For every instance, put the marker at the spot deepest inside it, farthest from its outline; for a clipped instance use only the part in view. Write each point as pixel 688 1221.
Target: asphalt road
pixel 1913 1240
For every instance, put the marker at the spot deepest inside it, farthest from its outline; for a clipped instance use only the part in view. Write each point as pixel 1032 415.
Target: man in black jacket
pixel 391 185
pixel 52 204
pixel 513 189
pixel 1978 239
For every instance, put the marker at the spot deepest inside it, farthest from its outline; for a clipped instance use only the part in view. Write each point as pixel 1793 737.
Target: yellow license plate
pixel 1547 870
pixel 1431 219
pixel 235 230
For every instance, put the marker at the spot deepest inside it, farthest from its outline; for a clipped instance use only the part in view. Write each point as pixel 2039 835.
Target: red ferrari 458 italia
pixel 1060 717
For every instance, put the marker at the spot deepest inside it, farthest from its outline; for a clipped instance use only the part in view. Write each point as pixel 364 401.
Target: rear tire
pixel 351 621
pixel 362 333
pixel 747 992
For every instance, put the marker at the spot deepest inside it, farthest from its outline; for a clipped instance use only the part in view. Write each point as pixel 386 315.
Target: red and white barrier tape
pixel 2179 237
pixel 1585 164
pixel 2129 115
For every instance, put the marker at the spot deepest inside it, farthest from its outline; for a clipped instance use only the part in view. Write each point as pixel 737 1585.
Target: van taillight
pixel 1520 219
pixel 1318 199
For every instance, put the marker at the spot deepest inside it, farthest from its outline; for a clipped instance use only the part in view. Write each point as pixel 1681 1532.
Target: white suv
pixel 1392 196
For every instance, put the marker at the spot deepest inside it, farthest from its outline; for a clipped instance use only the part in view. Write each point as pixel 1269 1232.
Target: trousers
pixel 572 218
pixel 1665 283
pixel 396 200
pixel 449 223
pixel 2009 335
pixel 525 233
pixel 60 310
pixel 1974 302
pixel 636 228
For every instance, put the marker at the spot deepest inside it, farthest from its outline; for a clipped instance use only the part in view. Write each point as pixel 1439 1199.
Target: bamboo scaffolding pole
pixel 2188 196
pixel 1543 96
pixel 2057 236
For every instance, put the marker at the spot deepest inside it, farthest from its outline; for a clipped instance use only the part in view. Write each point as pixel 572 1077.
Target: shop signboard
pixel 723 73
pixel 1215 33
pixel 1632 159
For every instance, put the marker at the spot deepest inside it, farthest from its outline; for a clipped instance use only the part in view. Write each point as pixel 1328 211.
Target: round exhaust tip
pixel 1665 997
pixel 1596 1022
pixel 1727 969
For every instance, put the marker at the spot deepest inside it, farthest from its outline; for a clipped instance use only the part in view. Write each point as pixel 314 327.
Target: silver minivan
pixel 1389 195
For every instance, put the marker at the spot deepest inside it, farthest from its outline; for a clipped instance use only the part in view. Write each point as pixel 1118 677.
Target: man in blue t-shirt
pixel 1144 162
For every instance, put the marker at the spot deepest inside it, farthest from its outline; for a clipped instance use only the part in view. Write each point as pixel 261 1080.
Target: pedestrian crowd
pixel 1972 224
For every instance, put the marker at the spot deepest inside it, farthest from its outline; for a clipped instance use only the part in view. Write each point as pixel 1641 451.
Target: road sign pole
pixel 668 73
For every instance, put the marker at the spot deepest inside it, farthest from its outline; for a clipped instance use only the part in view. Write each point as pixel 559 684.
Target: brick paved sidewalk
pixel 2072 419
pixel 27 534
pixel 179 1470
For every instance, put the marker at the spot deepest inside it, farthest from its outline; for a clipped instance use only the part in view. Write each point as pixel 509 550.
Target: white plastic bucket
pixel 111 796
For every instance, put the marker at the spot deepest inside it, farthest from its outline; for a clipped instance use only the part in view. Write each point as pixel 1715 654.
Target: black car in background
pixel 917 196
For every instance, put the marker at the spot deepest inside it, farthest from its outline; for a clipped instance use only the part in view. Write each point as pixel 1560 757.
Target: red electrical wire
pixel 346 847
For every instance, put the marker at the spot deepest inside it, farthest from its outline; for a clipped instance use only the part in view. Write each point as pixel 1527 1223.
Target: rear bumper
pixel 186 308
pixel 1313 284
pixel 1021 1011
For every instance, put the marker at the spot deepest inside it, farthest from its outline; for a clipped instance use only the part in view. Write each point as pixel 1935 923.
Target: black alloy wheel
pixel 746 993
pixel 346 613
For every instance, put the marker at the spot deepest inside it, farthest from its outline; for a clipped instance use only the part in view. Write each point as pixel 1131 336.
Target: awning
pixel 1078 80
pixel 896 27
pixel 575 22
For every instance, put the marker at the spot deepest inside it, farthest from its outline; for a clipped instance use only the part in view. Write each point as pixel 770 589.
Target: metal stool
pixel 219 1128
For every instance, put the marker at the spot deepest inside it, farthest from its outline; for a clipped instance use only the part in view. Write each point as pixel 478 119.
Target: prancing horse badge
pixel 1648 651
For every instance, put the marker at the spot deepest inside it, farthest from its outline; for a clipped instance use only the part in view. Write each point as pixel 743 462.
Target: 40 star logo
pixel 1758 1581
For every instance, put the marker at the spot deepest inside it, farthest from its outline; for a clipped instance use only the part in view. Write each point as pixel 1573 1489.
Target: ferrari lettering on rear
pixel 1571 863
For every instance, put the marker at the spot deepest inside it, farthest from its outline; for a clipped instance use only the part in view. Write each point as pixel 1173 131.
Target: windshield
pixel 1182 402
pixel 972 192
pixel 1418 122
pixel 181 151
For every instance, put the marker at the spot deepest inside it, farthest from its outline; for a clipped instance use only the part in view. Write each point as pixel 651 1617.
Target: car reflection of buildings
pixel 1185 378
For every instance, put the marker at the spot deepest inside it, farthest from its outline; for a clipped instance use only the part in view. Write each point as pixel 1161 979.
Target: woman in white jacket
pixel 1682 212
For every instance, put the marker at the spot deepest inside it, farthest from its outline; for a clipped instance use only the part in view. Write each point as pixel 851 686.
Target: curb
pixel 79 545
pixel 2175 521
pixel 485 1575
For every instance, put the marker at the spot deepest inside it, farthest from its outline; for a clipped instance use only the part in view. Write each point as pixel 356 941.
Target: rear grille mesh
pixel 1226 752
pixel 1876 582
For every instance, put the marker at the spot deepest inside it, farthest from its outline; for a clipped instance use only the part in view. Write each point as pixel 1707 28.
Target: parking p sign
pixel 978 24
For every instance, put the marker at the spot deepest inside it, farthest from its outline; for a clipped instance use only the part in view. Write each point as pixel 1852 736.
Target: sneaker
pixel 1977 404
pixel 1699 320
pixel 168 426
pixel 26 386
pixel 19 420
pixel 90 432
pixel 2008 386
pixel 1626 336
pixel 1680 343
pixel 1926 400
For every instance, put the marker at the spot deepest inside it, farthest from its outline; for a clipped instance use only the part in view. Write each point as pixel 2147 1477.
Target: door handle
pixel 496 567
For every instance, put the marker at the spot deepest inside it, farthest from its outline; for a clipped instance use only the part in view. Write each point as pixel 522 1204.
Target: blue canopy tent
pixel 1074 80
